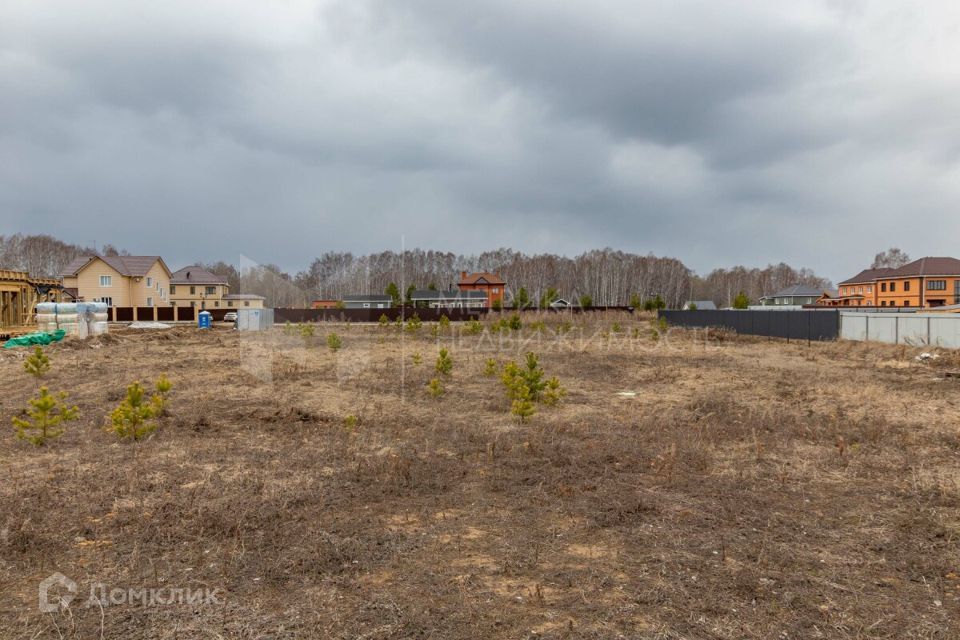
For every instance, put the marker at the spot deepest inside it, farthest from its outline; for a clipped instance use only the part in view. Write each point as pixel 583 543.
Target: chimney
pixel 463 276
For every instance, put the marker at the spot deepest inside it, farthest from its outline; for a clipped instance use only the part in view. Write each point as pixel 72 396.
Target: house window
pixel 869 289
pixel 893 287
pixel 108 300
pixel 906 303
pixel 906 285
pixel 883 303
pixel 149 302
pixel 149 282
pixel 211 291
pixel 193 304
pixel 366 305
pixel 883 286
pixel 937 285
pixel 173 303
pixel 230 303
pixel 246 304
pixel 193 290
pixel 496 290
pixel 106 281
pixel 216 303
pixel 173 289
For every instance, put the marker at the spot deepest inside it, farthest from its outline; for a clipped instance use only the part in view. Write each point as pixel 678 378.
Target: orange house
pixel 925 283
pixel 860 290
pixel 490 283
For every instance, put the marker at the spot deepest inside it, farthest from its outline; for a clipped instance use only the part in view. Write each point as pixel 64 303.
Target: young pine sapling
pixel 43 419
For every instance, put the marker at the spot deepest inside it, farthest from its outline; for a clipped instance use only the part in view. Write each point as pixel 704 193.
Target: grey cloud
pixel 720 132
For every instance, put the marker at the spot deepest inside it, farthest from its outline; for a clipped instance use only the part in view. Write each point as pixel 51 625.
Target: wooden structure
pixel 20 294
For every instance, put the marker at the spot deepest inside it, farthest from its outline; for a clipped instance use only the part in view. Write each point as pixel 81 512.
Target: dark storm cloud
pixel 718 131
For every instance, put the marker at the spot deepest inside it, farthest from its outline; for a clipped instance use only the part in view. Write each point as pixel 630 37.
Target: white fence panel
pixel 853 326
pixel 913 330
pixel 882 328
pixel 916 329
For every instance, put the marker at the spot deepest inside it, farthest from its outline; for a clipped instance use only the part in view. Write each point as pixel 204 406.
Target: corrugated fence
pixel 918 329
pixel 792 325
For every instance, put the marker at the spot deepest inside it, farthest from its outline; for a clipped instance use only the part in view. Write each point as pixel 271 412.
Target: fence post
pixel 809 321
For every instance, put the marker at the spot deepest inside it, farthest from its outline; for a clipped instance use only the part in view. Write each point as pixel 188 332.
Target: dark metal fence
pixel 792 325
pixel 281 315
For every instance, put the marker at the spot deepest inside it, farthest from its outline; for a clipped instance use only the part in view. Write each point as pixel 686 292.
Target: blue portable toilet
pixel 204 320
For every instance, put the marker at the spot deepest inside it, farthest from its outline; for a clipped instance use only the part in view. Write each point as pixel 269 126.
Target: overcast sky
pixel 814 132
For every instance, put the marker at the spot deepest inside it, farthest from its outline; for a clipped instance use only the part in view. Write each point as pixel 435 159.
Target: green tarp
pixel 40 337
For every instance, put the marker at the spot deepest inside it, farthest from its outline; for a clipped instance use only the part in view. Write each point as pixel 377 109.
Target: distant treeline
pixel 42 255
pixel 606 276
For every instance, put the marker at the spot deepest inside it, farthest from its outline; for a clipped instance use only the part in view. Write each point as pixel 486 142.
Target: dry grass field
pixel 686 487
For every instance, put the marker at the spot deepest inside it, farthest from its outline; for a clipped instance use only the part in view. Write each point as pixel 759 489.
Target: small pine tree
pixel 522 405
pixel 384 320
pixel 474 327
pixel 514 322
pixel 334 341
pixel 435 387
pixel 692 306
pixel 635 301
pixel 134 417
pixel 414 323
pixel 417 359
pixel 350 422
pixel 533 376
pixel 43 418
pixel 37 364
pixel 444 363
pixel 497 305
pixel 586 301
pixel 444 322
pixel 161 391
pixel 553 392
pixel 490 368
pixel 306 330
pixel 742 301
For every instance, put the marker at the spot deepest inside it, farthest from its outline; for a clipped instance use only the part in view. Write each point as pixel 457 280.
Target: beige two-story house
pixel 120 281
pixel 194 286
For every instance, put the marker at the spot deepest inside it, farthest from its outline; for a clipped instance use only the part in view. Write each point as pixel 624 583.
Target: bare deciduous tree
pixel 892 258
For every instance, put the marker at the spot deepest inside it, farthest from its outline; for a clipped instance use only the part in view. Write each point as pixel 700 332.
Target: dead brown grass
pixel 749 489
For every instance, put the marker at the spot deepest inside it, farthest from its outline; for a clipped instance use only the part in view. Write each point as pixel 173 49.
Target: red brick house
pixel 490 283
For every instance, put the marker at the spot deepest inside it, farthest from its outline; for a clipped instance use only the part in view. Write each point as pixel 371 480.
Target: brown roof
pixel 473 278
pixel 868 275
pixel 124 265
pixel 196 275
pixel 931 266
pixel 75 265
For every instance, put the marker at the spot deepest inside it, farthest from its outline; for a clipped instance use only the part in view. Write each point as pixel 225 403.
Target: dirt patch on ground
pixel 747 489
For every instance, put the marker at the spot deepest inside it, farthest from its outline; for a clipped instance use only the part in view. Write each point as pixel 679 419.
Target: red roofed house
pixel 490 283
